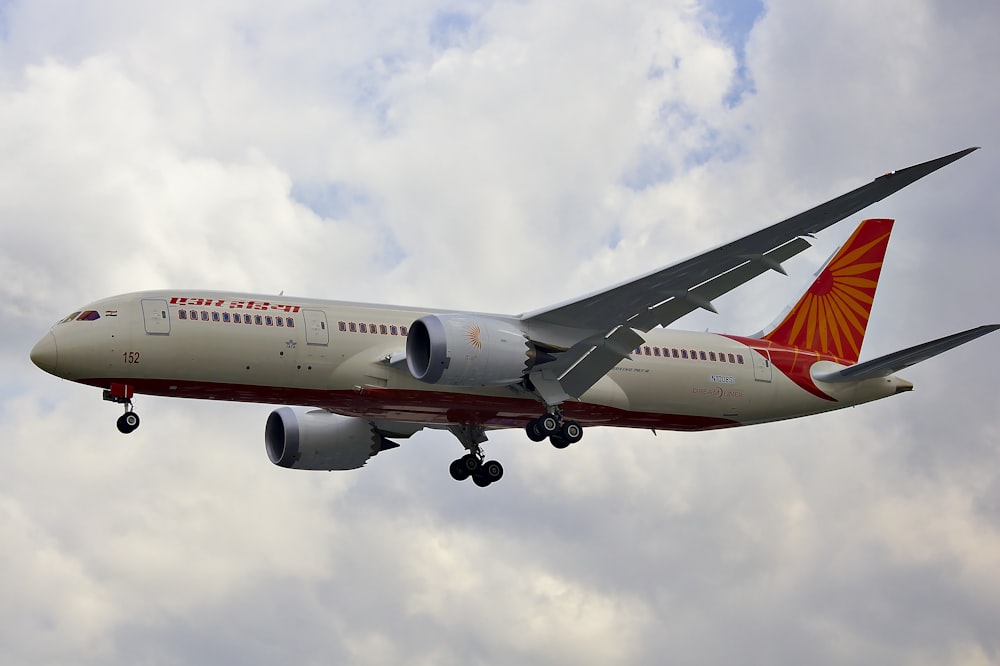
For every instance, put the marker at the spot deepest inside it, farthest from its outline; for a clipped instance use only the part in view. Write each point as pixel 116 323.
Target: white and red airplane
pixel 376 373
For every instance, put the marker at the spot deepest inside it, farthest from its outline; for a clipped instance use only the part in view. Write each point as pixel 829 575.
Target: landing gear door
pixel 155 317
pixel 761 365
pixel 317 331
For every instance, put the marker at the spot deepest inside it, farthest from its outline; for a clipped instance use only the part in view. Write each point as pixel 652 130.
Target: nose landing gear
pixel 122 394
pixel 128 421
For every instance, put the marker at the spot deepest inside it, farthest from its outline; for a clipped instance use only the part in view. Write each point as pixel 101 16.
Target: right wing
pixel 592 334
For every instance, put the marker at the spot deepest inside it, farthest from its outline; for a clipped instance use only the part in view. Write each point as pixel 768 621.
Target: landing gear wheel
pixel 480 480
pixel 548 424
pixel 458 470
pixel 558 441
pixel 128 422
pixel 535 433
pixel 571 431
pixel 492 470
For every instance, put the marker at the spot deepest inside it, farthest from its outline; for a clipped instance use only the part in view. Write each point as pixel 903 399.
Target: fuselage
pixel 345 357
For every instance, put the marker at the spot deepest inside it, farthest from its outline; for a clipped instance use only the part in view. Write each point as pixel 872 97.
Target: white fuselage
pixel 345 357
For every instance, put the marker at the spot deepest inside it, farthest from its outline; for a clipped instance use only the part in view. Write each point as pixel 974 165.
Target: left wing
pixel 892 363
pixel 594 333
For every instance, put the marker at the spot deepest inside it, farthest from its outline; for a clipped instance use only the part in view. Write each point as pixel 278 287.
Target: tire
pixel 481 480
pixel 470 463
pixel 571 431
pixel 548 425
pixel 458 470
pixel 127 422
pixel 534 432
pixel 492 470
pixel 558 442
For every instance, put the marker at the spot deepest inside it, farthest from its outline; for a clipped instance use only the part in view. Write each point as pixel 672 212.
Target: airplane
pixel 374 374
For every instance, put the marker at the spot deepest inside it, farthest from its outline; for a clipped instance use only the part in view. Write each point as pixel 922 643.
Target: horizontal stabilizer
pixel 891 363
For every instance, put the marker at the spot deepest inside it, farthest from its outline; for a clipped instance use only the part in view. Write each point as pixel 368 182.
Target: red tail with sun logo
pixel 831 317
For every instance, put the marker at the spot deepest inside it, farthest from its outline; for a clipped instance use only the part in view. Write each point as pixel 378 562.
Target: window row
pixel 373 329
pixel 690 354
pixel 236 318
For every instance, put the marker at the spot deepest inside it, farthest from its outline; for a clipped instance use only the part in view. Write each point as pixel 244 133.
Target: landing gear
pixel 474 464
pixel 552 426
pixel 122 394
pixel 128 422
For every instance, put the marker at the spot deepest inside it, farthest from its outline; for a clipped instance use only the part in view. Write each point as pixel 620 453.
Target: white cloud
pixel 535 151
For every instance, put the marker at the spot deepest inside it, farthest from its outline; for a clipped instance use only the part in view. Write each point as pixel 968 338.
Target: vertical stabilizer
pixel 831 317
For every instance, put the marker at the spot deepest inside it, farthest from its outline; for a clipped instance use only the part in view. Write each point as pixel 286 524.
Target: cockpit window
pixel 89 315
pixel 70 317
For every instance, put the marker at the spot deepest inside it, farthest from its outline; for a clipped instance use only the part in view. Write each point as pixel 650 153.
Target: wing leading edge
pixel 597 331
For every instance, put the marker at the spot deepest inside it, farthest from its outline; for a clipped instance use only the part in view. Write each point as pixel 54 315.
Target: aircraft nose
pixel 45 354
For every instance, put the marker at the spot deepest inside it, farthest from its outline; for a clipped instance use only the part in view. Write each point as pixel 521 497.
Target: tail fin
pixel 831 317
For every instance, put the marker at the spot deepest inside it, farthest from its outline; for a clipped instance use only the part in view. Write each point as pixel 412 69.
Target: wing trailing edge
pixel 892 363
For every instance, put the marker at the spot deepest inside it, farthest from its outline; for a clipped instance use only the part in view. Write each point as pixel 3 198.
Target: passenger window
pixel 204 315
pixel 684 353
pixel 342 326
pixel 269 321
pixel 373 329
pixel 402 331
pixel 247 319
pixel 383 329
pixel 702 356
pixel 739 358
pixel 363 328
pixel 656 351
pixel 226 317
pixel 257 319
pixel 646 350
pixel 216 317
pixel 731 359
pixel 290 322
pixel 393 330
pixel 353 327
pixel 182 314
pixel 279 321
pixel 673 352
pixel 711 356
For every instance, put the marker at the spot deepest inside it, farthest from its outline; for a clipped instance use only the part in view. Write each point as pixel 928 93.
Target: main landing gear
pixel 122 394
pixel 559 432
pixel 474 464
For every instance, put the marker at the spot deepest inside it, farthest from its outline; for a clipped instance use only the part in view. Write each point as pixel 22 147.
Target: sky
pixel 496 156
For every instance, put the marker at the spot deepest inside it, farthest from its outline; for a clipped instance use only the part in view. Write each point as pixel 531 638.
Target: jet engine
pixel 318 439
pixel 464 350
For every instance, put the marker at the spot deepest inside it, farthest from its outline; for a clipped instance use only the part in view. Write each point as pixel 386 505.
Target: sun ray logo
pixel 833 314
pixel 474 335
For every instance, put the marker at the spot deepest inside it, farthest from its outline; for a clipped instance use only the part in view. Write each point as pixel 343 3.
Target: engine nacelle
pixel 464 350
pixel 320 440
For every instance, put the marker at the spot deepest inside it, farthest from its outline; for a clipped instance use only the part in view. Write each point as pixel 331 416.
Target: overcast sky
pixel 500 156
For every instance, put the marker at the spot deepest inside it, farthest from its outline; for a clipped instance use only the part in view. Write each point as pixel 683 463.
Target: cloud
pixel 495 156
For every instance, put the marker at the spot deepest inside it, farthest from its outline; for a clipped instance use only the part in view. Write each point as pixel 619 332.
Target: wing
pixel 597 331
pixel 892 363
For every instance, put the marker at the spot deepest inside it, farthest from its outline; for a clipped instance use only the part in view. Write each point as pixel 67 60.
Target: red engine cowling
pixel 320 440
pixel 465 350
